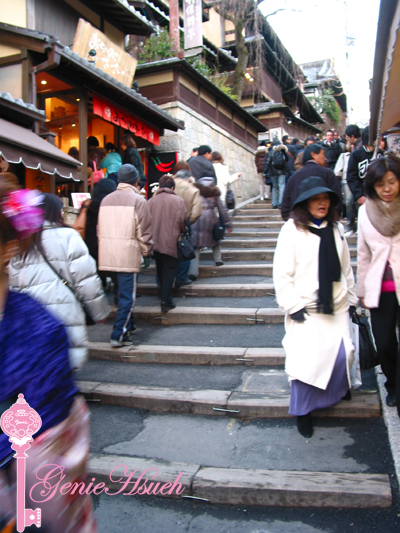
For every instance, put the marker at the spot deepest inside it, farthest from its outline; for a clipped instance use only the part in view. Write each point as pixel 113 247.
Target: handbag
pixel 89 320
pixel 229 197
pixel 185 248
pixel 367 351
pixel 96 175
pixel 218 229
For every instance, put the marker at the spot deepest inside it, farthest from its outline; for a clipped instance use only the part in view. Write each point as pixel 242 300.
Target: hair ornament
pixel 22 209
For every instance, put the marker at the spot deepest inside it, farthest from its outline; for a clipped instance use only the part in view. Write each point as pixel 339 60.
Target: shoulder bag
pixel 367 351
pixel 185 248
pixel 229 197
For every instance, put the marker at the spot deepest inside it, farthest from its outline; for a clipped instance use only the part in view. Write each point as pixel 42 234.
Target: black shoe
pixel 347 398
pixel 182 283
pixel 170 304
pixel 391 400
pixel 305 426
pixel 274 207
pixel 164 307
pixel 219 263
pixel 191 277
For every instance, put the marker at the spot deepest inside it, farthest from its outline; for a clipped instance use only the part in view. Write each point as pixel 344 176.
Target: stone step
pixel 267 217
pixel 211 271
pixel 238 240
pixel 208 290
pixel 265 211
pixel 272 224
pixel 266 204
pixel 187 355
pixel 258 254
pixel 207 315
pixel 234 404
pixel 242 486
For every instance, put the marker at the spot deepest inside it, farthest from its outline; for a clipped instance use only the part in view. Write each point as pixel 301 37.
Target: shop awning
pixel 385 95
pixel 20 145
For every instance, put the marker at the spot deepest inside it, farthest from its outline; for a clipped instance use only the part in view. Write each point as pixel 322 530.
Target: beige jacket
pixel 191 196
pixel 168 215
pixel 374 251
pixel 124 230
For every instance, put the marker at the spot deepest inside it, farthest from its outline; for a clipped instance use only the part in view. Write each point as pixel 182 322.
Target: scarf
pixel 384 216
pixel 329 268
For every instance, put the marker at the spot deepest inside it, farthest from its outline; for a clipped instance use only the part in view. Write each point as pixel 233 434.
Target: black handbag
pixel 218 230
pixel 368 355
pixel 229 198
pixel 185 248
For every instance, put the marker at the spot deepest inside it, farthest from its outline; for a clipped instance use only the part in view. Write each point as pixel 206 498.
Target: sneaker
pixel 219 263
pixel 391 400
pixel 262 198
pixel 115 343
pixel 349 233
pixel 267 197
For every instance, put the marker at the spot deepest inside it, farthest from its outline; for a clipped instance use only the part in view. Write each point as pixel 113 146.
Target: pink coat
pixel 374 250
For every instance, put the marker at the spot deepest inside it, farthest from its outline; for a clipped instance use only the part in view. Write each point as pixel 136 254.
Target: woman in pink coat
pixel 378 269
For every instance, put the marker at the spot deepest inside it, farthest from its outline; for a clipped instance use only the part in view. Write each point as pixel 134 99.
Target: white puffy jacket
pixel 68 254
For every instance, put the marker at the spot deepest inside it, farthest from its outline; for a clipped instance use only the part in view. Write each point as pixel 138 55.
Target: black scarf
pixel 329 268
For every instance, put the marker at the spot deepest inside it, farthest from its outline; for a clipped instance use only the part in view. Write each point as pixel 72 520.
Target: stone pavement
pixel 202 392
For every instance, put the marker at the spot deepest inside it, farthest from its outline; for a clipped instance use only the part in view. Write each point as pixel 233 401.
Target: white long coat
pixel 312 346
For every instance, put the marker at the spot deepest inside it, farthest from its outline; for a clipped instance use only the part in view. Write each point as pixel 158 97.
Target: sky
pixel 317 29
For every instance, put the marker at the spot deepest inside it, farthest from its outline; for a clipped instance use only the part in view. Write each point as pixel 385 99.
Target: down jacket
pixel 124 230
pixel 68 254
pixel 211 203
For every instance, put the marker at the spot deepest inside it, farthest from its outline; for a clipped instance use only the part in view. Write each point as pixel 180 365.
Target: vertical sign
pixel 193 16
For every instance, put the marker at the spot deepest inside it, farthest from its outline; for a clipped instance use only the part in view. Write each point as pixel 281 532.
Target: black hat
pixel 311 187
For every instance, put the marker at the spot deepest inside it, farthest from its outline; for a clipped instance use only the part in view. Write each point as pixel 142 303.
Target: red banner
pixel 117 116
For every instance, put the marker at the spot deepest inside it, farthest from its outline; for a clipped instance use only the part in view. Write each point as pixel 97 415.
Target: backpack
pixel 229 198
pixel 278 160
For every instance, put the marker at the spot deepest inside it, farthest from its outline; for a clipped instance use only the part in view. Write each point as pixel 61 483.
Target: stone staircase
pixel 210 382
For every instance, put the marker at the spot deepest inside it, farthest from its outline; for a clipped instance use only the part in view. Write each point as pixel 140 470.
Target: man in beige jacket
pixel 191 196
pixel 124 233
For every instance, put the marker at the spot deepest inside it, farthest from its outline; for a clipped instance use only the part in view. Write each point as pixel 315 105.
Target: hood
pixel 280 147
pixel 207 191
pixel 206 182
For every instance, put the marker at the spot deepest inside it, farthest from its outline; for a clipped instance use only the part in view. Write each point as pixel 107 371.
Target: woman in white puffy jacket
pixel 58 255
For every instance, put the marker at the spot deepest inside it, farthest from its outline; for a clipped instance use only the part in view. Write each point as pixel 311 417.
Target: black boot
pixel 347 398
pixel 170 304
pixel 305 426
pixel 164 307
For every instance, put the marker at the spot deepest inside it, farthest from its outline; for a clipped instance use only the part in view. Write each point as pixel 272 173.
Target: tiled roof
pixel 21 103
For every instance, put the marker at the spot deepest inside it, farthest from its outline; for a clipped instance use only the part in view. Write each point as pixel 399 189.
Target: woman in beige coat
pixel 378 271
pixel 314 286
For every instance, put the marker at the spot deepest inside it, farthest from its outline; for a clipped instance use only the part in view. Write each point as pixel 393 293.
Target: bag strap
pixel 63 280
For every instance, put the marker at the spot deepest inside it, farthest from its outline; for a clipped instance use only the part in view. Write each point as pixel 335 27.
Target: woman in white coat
pixel 222 173
pixel 378 269
pixel 58 272
pixel 314 286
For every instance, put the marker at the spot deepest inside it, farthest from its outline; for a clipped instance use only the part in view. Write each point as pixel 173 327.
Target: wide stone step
pixel 208 290
pixel 240 486
pixel 257 217
pixel 252 240
pixel 188 355
pixel 234 404
pixel 277 224
pixel 258 254
pixel 208 315
pixel 266 204
pixel 264 211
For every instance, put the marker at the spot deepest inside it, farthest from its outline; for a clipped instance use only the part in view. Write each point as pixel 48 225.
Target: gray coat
pixel 212 209
pixel 68 254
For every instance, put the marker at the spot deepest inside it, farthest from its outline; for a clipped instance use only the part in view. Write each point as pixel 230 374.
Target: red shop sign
pixel 117 116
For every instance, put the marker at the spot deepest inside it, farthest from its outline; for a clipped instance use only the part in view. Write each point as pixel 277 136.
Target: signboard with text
pixel 109 57
pixel 119 117
pixel 192 14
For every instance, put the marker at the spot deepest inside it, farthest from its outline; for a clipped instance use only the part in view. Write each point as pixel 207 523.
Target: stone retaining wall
pixel 199 130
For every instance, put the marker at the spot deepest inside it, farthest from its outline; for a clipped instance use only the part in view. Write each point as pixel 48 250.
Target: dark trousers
pixel 167 269
pixel 183 268
pixel 384 321
pixel 126 302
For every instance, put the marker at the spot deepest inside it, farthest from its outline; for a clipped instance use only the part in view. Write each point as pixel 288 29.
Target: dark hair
pixel 262 143
pixel 301 215
pixel 217 157
pixel 312 139
pixel 52 208
pixel 92 142
pixel 128 140
pixel 181 165
pixel 110 146
pixel 295 140
pixel 138 184
pixel 204 149
pixel 74 152
pixel 376 170
pixel 166 182
pixel 353 131
pixel 195 149
pixel 312 149
pixel 329 131
pixel 285 138
pixel 365 136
